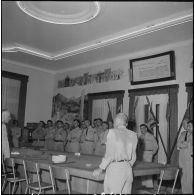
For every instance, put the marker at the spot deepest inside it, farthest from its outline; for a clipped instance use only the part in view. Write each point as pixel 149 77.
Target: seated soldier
pixel 50 132
pixel 88 139
pixel 73 138
pixel 60 136
pixel 100 147
pixel 38 135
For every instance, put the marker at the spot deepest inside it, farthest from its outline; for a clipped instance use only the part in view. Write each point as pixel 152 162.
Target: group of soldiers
pixel 79 137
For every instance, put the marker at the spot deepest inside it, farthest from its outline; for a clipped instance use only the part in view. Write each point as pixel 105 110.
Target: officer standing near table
pixel 88 139
pixel 50 133
pixel 60 136
pixel 73 139
pixel 149 148
pixel 119 158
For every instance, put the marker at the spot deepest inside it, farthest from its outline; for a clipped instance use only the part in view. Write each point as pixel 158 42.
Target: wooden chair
pixel 34 168
pixel 11 176
pixel 63 174
pixel 166 174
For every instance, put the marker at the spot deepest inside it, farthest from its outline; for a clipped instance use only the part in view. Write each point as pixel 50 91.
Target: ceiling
pixel 120 28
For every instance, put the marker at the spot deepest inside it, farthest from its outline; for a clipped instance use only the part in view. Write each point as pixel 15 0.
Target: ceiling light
pixel 61 12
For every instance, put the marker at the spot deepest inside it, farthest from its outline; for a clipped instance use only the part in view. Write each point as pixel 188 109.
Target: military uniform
pixel 73 140
pixel 49 142
pixel 5 142
pixel 39 136
pixel 118 160
pixel 88 139
pixel 184 146
pixel 149 148
pixel 100 147
pixel 16 133
pixel 60 139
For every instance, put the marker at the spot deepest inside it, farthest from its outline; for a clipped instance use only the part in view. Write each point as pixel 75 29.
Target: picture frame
pixel 154 68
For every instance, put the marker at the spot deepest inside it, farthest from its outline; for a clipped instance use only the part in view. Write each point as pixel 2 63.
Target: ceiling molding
pixel 146 29
pixel 27 66
pixel 126 56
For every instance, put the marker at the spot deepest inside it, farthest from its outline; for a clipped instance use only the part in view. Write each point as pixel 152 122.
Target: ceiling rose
pixel 61 12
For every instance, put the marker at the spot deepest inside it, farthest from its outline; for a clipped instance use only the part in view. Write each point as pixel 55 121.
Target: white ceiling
pixel 119 29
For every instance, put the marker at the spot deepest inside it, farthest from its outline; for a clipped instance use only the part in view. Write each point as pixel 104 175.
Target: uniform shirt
pixel 5 143
pixel 50 132
pixel 149 142
pixel 75 135
pixel 60 134
pixel 121 145
pixel 39 133
pixel 89 134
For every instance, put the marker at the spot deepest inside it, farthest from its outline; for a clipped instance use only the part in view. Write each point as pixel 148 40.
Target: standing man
pixel 60 136
pixel 185 147
pixel 88 138
pixel 149 148
pixel 16 133
pixel 5 143
pixel 119 158
pixel 50 132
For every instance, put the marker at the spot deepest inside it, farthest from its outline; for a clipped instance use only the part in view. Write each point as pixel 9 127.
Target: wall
pixel 184 74
pixel 39 91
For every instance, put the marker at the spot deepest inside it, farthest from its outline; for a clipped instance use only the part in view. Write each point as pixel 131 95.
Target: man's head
pixel 120 120
pixel 6 116
pixel 143 128
pixel 185 123
pixel 190 126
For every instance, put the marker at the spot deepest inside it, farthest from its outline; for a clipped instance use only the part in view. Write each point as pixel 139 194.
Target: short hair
pixel 190 121
pixel 49 121
pixel 59 121
pixel 120 119
pixel 78 121
pixel 144 125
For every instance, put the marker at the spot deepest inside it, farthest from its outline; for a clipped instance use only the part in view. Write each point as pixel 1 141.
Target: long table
pixel 81 167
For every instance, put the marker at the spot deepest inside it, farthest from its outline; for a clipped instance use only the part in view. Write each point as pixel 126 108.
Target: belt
pixel 103 144
pixel 88 140
pixel 58 140
pixel 120 161
pixel 38 139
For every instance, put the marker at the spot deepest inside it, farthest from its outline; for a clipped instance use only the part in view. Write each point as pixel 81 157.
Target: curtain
pixel 100 108
pixel 10 95
pixel 162 100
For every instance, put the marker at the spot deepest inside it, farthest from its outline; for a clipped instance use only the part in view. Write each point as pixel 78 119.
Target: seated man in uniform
pixel 38 135
pixel 119 158
pixel 60 136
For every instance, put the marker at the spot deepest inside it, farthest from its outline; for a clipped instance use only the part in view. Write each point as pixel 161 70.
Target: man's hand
pixel 97 172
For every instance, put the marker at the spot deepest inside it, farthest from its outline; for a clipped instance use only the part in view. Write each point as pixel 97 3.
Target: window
pixel 14 88
pixel 101 103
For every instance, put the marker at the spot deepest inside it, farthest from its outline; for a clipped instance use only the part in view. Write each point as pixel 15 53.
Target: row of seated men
pixel 78 137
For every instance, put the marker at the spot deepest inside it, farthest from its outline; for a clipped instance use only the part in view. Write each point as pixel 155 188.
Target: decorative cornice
pixel 102 43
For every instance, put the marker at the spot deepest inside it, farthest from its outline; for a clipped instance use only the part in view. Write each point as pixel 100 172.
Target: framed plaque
pixel 155 68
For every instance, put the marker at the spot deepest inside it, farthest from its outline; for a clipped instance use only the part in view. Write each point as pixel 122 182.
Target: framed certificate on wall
pixel 154 68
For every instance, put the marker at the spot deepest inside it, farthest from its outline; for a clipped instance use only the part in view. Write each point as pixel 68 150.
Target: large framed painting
pixel 154 68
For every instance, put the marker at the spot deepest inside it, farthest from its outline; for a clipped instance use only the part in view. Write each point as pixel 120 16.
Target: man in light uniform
pixel 5 143
pixel 73 138
pixel 119 158
pixel 50 133
pixel 185 147
pixel 60 136
pixel 149 147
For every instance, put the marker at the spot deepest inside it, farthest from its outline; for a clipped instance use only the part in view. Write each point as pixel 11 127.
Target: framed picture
pixel 155 68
